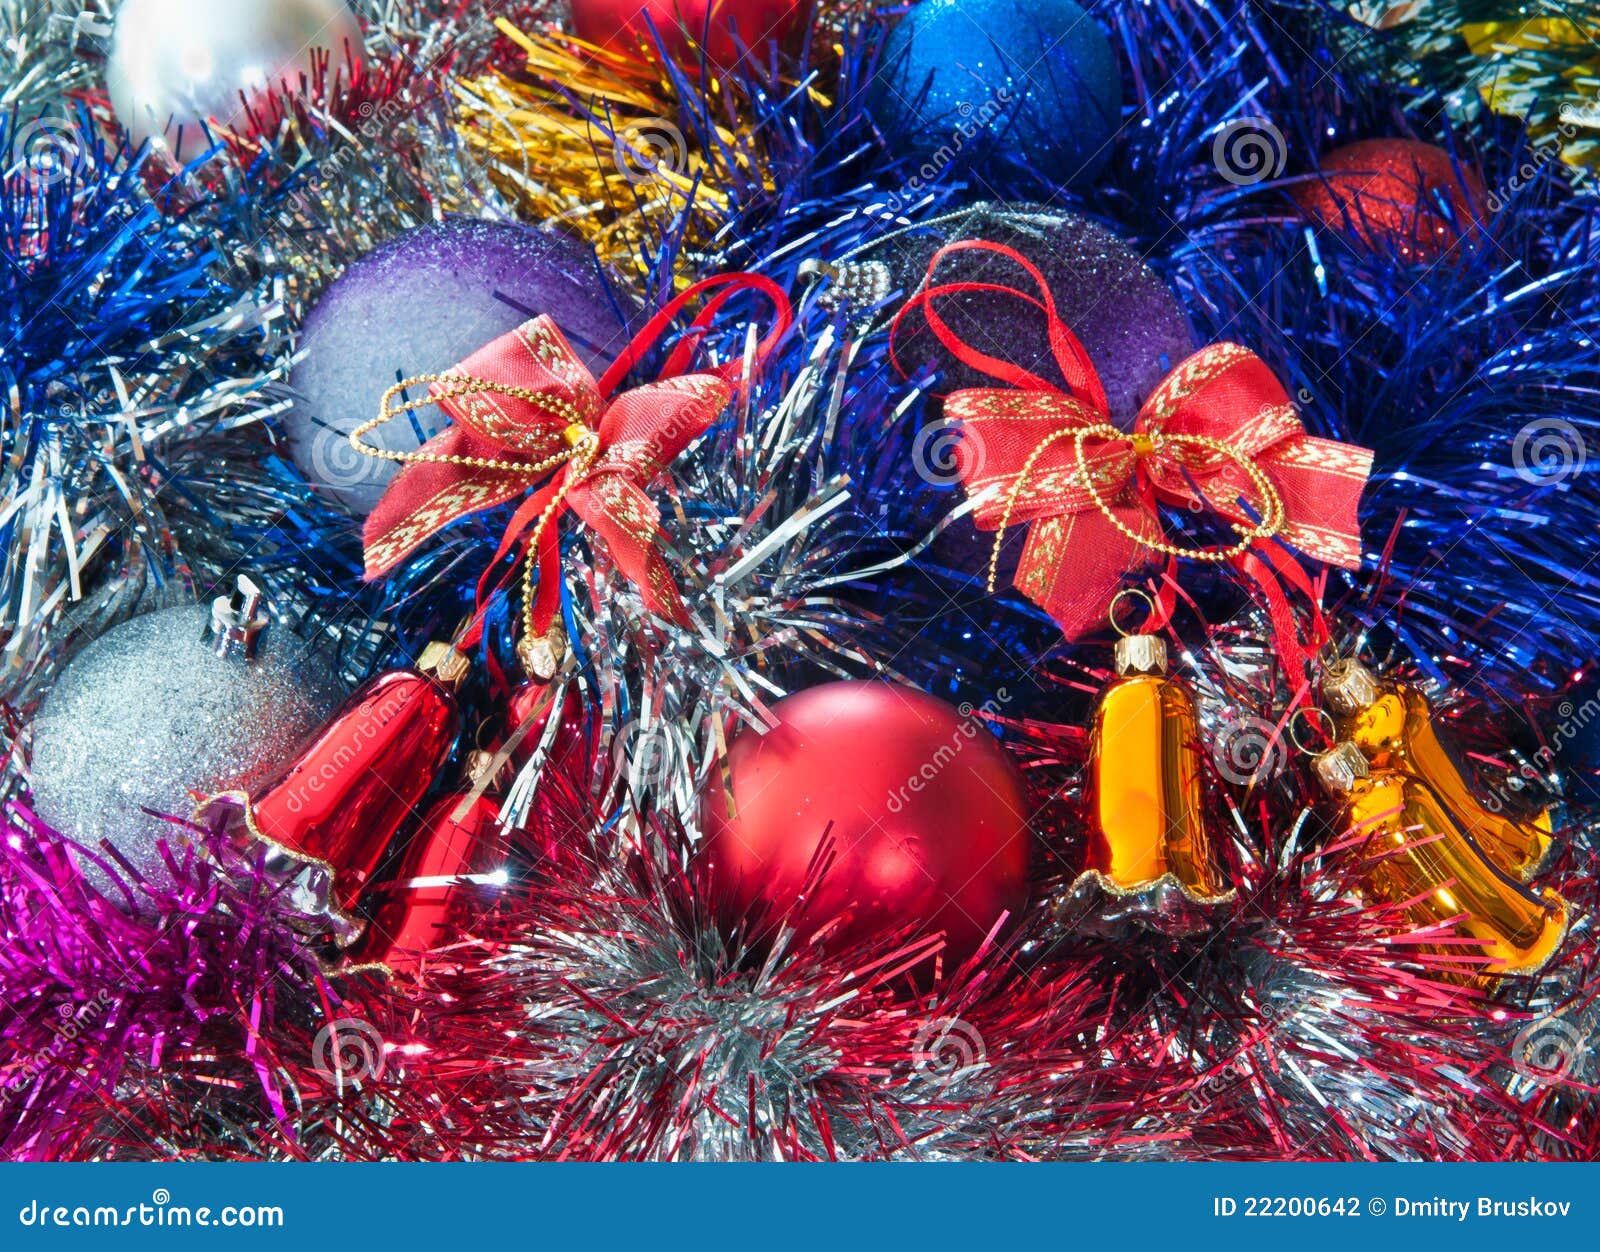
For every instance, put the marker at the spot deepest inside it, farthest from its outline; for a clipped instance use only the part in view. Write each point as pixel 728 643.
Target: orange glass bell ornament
pixel 1414 854
pixel 1393 725
pixel 1150 856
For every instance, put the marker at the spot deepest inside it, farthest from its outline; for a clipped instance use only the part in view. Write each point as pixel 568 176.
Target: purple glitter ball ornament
pixel 418 305
pixel 1109 298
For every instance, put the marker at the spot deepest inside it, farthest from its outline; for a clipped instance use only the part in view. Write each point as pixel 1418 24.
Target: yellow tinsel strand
pixel 1576 126
pixel 584 135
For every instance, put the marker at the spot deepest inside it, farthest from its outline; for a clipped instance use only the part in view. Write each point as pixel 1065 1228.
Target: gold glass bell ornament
pixel 1393 725
pixel 1146 795
pixel 1412 852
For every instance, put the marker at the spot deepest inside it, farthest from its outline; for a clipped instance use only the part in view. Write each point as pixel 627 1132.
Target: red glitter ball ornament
pixel 921 809
pixel 1397 194
pixel 681 23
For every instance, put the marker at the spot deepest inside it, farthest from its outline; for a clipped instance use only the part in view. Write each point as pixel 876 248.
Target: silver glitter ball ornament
pixel 161 706
pixel 177 67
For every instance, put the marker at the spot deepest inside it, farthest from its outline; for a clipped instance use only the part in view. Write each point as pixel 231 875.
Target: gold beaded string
pixel 1273 516
pixel 583 445
pixel 466 385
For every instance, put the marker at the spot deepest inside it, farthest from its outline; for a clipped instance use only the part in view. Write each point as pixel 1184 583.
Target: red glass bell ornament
pixel 330 815
pixel 459 847
pixel 528 716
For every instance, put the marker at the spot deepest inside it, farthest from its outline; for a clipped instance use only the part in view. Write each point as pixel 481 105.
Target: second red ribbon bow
pixel 1218 433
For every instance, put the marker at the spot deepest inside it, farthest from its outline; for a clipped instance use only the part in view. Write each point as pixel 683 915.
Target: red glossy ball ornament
pixel 1396 194
pixel 681 24
pixel 923 808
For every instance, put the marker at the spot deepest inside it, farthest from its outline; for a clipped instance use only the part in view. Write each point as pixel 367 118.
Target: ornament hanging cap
pixel 1348 687
pixel 1137 653
pixel 441 662
pixel 1338 766
pixel 237 620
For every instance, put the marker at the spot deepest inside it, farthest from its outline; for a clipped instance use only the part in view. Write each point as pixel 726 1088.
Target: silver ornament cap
pixel 237 620
pixel 1348 687
pixel 1140 654
pixel 1340 768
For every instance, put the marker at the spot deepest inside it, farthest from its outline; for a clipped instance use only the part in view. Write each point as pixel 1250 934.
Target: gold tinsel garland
pixel 587 136
pixel 1575 125
pixel 1537 60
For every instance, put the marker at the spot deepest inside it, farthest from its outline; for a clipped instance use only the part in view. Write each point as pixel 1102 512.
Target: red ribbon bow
pixel 1218 431
pixel 524 409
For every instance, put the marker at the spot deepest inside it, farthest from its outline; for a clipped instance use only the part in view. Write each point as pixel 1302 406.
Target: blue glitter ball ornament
pixel 1031 83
